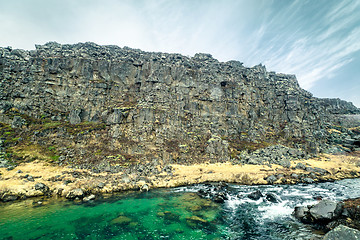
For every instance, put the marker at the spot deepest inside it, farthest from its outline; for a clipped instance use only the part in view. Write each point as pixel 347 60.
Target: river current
pixel 176 213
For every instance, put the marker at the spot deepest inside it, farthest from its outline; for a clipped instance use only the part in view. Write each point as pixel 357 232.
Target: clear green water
pixel 153 215
pixel 172 214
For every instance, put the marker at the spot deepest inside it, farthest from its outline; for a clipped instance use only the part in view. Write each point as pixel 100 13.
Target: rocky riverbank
pixel 43 179
pixel 340 219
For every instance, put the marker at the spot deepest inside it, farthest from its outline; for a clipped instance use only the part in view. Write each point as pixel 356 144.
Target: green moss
pixel 83 127
pixel 52 148
pixel 50 125
pixel 55 157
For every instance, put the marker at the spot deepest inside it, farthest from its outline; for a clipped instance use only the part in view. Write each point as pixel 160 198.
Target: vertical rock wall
pixel 165 106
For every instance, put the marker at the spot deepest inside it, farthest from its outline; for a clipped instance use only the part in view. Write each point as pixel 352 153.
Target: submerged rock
pixel 255 195
pixel 196 221
pixel 121 220
pixel 170 216
pixel 272 197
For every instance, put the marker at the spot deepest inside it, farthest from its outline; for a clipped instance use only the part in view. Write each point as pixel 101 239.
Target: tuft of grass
pixel 50 125
pixel 52 148
pixel 33 152
pixel 55 158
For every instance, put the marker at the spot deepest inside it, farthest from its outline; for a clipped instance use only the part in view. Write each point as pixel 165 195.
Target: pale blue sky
pixel 318 40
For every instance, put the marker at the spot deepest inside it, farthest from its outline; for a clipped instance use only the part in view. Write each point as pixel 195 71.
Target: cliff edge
pixel 108 108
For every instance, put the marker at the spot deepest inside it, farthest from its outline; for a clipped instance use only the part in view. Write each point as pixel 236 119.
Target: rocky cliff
pixel 105 106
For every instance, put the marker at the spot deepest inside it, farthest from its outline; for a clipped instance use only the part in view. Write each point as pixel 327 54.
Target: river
pixel 176 213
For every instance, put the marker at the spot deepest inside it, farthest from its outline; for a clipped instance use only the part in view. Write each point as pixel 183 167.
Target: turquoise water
pixel 153 215
pixel 171 214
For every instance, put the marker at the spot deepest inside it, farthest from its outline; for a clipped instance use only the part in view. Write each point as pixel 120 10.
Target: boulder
pixel 308 180
pixel 7 197
pixel 300 166
pixel 302 213
pixel 89 198
pixel 272 197
pixel 342 233
pixel 321 213
pixel 271 179
pixel 75 193
pixel 255 195
pixel 326 210
pixel 144 187
pixel 30 178
pixel 42 187
pixel 220 197
pixel 294 175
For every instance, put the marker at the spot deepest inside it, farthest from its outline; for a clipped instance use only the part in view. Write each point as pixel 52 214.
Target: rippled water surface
pixel 172 214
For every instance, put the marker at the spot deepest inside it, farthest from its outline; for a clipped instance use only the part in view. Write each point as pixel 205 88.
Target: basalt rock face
pixel 158 106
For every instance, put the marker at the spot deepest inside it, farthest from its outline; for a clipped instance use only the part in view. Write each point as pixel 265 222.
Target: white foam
pixel 273 211
pixel 234 202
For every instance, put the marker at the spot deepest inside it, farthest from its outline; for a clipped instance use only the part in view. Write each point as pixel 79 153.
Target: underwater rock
pixel 272 197
pixel 121 220
pixel 170 216
pixel 195 221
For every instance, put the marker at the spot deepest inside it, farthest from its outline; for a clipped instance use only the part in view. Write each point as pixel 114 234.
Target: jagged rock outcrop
pixel 156 107
pixel 328 215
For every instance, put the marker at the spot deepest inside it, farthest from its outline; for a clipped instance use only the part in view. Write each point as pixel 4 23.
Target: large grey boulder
pixel 342 233
pixel 323 212
pixel 326 210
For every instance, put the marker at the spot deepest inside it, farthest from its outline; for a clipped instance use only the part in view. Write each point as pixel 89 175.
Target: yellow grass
pixel 340 166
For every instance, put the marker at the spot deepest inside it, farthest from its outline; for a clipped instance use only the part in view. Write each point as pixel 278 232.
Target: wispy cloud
pixel 312 39
pixel 315 52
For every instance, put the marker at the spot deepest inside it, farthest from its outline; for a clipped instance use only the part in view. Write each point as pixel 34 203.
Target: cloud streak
pixel 315 52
